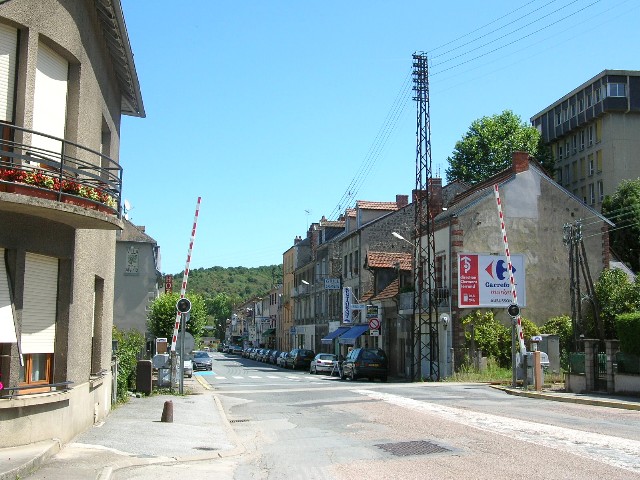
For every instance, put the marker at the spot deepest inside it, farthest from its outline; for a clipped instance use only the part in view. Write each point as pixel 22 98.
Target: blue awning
pixel 336 333
pixel 349 338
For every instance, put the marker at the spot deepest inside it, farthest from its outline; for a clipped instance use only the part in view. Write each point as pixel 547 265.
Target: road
pixel 294 425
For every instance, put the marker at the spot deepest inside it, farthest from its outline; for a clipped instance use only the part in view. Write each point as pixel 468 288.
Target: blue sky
pixel 279 112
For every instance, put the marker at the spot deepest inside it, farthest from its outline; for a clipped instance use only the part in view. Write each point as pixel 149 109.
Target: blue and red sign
pixel 484 281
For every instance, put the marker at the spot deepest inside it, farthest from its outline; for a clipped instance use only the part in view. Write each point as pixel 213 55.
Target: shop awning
pixel 336 333
pixel 270 331
pixel 349 338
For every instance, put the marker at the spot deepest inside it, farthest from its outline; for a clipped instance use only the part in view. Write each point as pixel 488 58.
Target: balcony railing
pixel 441 296
pixel 66 171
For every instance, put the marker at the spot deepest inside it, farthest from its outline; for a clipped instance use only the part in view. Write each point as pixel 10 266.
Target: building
pixel 137 278
pixel 594 134
pixel 535 210
pixel 66 77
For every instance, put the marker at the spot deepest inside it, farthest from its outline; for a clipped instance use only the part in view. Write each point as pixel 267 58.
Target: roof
pixel 389 260
pixel 117 40
pixel 390 291
pixel 134 233
pixel 364 204
pixel 332 223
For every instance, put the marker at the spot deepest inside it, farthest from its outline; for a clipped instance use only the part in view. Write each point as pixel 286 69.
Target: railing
pixel 441 295
pixel 27 158
pixel 10 392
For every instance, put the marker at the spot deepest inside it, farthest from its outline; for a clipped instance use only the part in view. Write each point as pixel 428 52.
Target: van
pixel 370 363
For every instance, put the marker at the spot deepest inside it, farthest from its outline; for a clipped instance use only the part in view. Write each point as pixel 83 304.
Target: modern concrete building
pixel 66 77
pixel 594 133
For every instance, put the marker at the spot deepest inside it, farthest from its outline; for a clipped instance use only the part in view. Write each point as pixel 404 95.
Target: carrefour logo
pixel 501 270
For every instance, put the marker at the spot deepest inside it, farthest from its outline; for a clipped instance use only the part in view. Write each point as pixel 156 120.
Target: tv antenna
pixel 126 208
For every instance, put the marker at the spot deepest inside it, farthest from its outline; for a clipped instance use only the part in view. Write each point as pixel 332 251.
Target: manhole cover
pixel 419 447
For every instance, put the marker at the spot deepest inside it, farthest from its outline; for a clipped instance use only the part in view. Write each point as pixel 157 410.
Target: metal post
pixel 514 357
pixel 181 369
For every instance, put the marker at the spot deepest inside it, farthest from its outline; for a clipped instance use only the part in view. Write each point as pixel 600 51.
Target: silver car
pixel 323 362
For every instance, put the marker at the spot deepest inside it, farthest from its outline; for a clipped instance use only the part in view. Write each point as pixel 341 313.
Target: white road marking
pixel 615 451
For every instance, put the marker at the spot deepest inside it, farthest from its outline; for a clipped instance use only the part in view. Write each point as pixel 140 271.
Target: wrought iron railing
pixel 48 163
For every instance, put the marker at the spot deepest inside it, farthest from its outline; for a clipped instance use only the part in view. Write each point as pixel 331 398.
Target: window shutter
pixel 39 304
pixel 7 325
pixel 8 57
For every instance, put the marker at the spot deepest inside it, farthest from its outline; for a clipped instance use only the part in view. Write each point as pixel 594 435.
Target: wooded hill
pixel 244 282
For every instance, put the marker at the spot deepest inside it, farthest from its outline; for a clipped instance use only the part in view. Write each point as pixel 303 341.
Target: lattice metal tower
pixel 424 332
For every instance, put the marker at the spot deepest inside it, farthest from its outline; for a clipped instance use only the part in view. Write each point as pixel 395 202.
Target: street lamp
pixel 400 237
pixel 304 282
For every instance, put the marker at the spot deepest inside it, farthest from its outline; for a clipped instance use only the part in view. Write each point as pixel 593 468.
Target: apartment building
pixel 594 133
pixel 66 78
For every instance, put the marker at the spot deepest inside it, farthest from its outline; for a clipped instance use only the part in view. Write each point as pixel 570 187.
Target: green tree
pixel 162 315
pixel 563 328
pixel 220 308
pixel 130 345
pixel 623 209
pixel 490 336
pixel 616 295
pixel 488 145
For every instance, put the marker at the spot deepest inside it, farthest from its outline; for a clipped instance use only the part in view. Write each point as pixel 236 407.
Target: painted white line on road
pixel 615 451
pixel 238 377
pixel 254 376
pixel 219 378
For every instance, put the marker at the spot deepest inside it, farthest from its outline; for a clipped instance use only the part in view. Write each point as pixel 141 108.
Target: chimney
pixel 297 240
pixel 435 196
pixel 402 200
pixel 520 162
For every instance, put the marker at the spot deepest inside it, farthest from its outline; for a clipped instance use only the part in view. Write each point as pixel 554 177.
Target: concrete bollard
pixel 167 412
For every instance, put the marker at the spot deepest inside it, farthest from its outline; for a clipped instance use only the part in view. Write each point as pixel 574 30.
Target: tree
pixel 616 295
pixel 490 336
pixel 220 307
pixel 488 145
pixel 130 346
pixel 623 209
pixel 162 315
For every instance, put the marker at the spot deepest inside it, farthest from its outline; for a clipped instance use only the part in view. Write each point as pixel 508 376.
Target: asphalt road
pixel 295 425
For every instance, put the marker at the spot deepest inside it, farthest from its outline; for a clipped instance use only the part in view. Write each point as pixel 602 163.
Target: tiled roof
pixel 351 212
pixel 364 204
pixel 391 291
pixel 332 223
pixel 389 259
pixel 367 296
pixel 133 233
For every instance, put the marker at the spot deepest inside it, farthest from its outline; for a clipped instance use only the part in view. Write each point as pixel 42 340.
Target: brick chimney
pixel 520 162
pixel 402 200
pixel 435 195
pixel 297 240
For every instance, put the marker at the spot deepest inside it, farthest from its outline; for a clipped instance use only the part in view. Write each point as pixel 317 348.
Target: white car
pixel 323 362
pixel 187 368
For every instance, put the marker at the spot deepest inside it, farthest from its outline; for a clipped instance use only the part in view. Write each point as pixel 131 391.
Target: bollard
pixel 167 412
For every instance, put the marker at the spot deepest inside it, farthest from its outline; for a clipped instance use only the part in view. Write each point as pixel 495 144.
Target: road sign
pixel 374 323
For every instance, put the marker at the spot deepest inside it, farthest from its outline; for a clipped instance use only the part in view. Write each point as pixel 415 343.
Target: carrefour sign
pixel 484 281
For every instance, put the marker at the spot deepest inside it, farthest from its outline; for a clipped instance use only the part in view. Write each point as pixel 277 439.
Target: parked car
pixel 220 347
pixel 235 349
pixel 202 361
pixel 263 354
pixel 300 358
pixel 323 362
pixel 281 361
pixel 187 367
pixel 366 362
pixel 273 356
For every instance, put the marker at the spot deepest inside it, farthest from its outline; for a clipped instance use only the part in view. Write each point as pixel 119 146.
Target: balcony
pixel 442 299
pixel 51 178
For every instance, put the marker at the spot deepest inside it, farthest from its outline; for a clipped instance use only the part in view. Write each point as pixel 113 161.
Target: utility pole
pixel 424 329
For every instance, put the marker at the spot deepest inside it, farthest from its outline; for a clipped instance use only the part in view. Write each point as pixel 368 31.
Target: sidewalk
pixel 592 398
pixel 132 435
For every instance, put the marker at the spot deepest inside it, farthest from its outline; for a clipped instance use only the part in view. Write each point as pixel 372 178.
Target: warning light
pixel 513 310
pixel 183 305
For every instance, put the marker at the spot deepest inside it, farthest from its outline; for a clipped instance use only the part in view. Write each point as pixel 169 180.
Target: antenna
pixel 126 208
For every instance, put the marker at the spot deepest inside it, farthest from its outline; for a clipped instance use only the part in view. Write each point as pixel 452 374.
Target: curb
pixel 33 463
pixel 570 399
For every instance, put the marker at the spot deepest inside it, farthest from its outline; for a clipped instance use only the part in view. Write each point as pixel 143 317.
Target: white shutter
pixel 8 56
pixel 7 325
pixel 39 304
pixel 50 98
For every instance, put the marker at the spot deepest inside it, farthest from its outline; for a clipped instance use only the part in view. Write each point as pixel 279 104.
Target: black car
pixel 366 362
pixel 273 356
pixel 299 358
pixel 201 361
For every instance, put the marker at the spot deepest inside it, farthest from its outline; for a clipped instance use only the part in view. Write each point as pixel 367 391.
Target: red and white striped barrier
pixel 512 281
pixel 185 278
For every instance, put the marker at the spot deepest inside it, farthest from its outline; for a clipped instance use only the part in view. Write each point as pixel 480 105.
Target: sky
pixel 277 112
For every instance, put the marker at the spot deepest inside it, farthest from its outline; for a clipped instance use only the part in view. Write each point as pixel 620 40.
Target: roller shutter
pixel 50 99
pixel 39 304
pixel 7 325
pixel 8 58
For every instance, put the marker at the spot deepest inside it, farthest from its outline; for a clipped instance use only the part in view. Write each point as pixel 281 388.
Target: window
pixel 599 161
pixel 600 191
pixel 37 369
pixel 583 168
pixel 590 163
pixel 590 135
pixel 574 144
pixel 558 118
pixel 592 194
pixel 567 179
pixel 597 94
pixel 574 171
pixel 559 151
pixel 583 194
pixel 581 105
pixel 616 90
pixel 559 176
pixel 582 135
pixel 589 99
pixel 566 149
pixel 573 110
pixel 598 130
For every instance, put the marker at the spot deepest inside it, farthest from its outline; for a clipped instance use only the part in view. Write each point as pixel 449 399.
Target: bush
pixel 491 337
pixel 563 328
pixel 130 344
pixel 628 327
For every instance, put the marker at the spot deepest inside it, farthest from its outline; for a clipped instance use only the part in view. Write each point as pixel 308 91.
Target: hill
pixel 244 282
